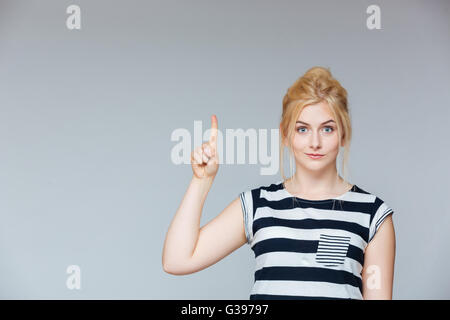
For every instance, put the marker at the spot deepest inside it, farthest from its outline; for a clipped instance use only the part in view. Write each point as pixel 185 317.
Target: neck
pixel 326 181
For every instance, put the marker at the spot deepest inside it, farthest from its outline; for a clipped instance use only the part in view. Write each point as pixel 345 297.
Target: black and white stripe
pixel 309 249
pixel 332 250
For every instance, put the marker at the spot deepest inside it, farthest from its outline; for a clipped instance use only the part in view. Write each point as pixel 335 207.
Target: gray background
pixel 87 115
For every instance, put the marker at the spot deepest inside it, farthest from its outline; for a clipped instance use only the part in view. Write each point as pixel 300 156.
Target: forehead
pixel 316 113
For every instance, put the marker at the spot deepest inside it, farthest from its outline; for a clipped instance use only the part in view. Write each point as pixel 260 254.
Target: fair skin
pixel 189 248
pixel 316 132
pixel 318 179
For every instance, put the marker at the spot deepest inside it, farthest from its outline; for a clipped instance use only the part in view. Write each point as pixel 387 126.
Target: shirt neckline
pixel 317 201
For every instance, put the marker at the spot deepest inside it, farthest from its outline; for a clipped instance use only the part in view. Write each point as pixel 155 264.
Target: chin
pixel 313 166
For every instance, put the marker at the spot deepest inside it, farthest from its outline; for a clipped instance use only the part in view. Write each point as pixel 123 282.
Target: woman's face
pixel 316 133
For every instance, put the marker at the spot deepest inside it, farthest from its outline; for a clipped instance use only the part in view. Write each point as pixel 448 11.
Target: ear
pixel 343 141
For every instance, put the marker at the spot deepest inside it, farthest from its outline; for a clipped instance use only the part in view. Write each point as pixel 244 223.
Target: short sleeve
pixel 381 212
pixel 247 210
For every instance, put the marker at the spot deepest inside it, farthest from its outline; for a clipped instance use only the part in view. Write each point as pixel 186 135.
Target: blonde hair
pixel 315 86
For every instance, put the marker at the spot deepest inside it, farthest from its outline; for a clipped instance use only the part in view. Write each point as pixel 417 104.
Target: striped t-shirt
pixel 309 249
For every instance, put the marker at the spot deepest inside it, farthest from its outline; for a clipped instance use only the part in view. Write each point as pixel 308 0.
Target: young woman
pixel 314 235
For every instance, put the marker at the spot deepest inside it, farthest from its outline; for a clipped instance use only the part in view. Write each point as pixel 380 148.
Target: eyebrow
pixel 321 123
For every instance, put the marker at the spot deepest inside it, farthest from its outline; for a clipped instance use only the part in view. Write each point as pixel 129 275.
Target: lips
pixel 314 155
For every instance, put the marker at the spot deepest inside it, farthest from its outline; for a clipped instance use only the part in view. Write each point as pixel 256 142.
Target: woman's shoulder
pixel 372 201
pixel 268 186
pixel 375 199
pixel 366 191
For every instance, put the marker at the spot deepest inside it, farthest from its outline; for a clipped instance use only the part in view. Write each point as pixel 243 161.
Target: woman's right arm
pixel 187 247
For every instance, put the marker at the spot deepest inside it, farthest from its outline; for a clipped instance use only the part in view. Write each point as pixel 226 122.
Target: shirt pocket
pixel 332 250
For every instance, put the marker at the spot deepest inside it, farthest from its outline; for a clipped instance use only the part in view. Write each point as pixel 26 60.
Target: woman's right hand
pixel 204 159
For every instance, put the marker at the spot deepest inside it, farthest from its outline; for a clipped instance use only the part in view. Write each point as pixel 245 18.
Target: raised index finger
pixel 213 137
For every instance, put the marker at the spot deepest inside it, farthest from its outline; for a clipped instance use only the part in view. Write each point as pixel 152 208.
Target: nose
pixel 315 140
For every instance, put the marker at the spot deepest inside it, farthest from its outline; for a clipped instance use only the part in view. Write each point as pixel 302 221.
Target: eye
pixel 301 128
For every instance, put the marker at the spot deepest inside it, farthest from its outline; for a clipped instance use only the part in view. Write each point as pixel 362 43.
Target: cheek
pixel 330 140
pixel 298 143
pixel 328 143
pixel 333 142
